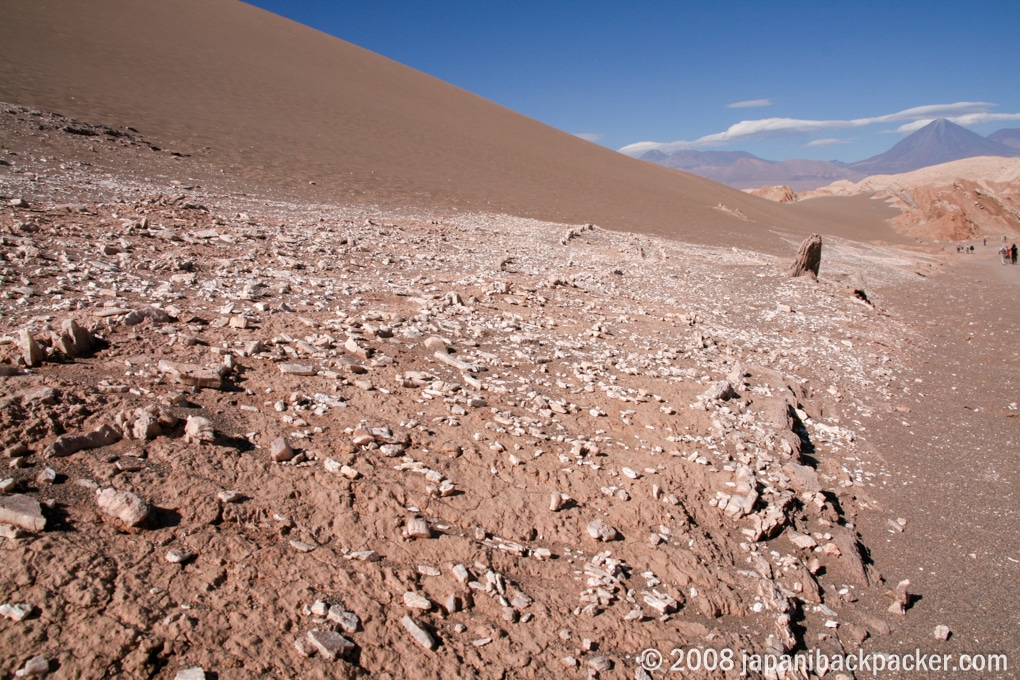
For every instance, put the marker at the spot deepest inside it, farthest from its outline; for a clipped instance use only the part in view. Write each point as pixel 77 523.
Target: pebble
pixel 37 665
pixel 557 500
pixel 280 450
pixel 198 430
pixel 16 612
pixel 602 530
pixel 178 556
pixel 193 673
pixel 422 636
pixel 413 600
pixel 297 369
pixel 330 644
pixel 347 620
pixel 230 496
pixel 417 528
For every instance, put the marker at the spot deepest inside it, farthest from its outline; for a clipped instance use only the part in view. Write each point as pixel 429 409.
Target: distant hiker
pixel 1004 254
pixel 984 241
pixel 1012 254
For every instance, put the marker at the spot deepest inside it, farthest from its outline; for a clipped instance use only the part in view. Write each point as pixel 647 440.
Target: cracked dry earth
pixel 291 440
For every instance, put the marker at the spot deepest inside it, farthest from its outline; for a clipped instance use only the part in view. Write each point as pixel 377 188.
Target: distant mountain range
pixel 938 142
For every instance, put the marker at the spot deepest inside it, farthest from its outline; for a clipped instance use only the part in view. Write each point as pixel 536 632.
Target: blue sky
pixel 820 79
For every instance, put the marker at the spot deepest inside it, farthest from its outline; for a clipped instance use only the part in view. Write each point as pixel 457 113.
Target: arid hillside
pixel 273 103
pixel 957 201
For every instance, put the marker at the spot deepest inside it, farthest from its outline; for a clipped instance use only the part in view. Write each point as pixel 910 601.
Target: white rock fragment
pixel 16 612
pixel 420 634
pixel 461 573
pixel 330 644
pixel 31 351
pixel 942 632
pixel 193 673
pixel 349 621
pixel 22 511
pixel 417 528
pixel 297 369
pixel 230 496
pixel 280 450
pixel 198 430
pixel 178 556
pixel 124 506
pixel 601 530
pixel 36 666
pixel 413 600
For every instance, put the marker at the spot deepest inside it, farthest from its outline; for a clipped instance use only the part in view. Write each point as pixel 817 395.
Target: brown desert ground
pixel 314 366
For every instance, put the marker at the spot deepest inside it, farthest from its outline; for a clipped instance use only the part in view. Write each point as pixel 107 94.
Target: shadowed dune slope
pixel 279 105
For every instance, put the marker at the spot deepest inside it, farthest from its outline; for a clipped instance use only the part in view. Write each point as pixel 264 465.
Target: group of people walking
pixel 1007 254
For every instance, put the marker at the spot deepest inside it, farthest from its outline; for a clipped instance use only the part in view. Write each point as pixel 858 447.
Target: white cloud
pixel 827 142
pixel 589 136
pixel 965 120
pixel 972 112
pixel 750 104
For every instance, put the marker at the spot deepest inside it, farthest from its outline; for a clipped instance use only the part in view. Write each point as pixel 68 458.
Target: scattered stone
pixel 124 506
pixel 347 620
pixel 230 496
pixel 31 351
pixel 16 612
pixel 178 556
pixel 73 340
pixel 188 374
pixel 68 444
pixel 413 600
pixel 419 633
pixel 198 430
pixel 22 511
pixel 942 632
pixel 417 528
pixel 601 530
pixel 557 500
pixel 719 391
pixel 193 673
pixel 154 314
pixel 280 450
pixel 297 369
pixel 37 665
pixel 330 644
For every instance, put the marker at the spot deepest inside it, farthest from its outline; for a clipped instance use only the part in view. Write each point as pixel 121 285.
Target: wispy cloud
pixel 750 104
pixel 968 119
pixel 971 112
pixel 589 136
pixel 827 142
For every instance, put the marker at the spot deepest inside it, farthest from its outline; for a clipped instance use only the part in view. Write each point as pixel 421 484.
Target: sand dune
pixel 283 105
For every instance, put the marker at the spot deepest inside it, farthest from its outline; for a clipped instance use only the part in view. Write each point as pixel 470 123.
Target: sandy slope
pixel 276 103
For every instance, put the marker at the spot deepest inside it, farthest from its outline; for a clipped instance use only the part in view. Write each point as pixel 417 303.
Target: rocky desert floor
pixel 256 438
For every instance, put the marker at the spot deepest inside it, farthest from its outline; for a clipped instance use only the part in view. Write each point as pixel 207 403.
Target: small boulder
pixel 22 511
pixel 124 506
